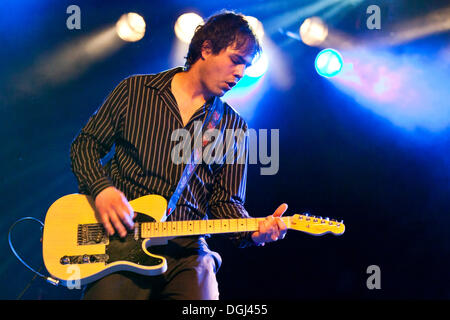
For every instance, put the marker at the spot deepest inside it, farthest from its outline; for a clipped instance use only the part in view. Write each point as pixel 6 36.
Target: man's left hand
pixel 272 228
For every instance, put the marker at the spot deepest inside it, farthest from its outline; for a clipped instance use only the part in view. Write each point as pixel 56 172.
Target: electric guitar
pixel 76 247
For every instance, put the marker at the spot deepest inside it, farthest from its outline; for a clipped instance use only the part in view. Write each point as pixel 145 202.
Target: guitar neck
pixel 200 227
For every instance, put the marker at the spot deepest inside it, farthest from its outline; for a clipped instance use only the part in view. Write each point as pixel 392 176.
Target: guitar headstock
pixel 316 225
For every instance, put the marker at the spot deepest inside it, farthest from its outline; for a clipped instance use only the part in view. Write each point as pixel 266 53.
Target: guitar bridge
pixel 93 233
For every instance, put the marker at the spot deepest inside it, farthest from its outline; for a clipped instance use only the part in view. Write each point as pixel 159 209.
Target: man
pixel 138 118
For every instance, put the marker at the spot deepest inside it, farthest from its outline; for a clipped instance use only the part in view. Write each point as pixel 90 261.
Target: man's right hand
pixel 114 210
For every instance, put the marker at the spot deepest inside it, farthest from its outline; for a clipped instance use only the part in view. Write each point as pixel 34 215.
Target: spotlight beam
pixel 68 61
pixel 295 16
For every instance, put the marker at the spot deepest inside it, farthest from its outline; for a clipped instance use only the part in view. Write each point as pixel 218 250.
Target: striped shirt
pixel 135 123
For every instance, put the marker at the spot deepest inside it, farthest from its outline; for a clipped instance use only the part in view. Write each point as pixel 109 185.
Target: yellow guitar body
pixel 62 233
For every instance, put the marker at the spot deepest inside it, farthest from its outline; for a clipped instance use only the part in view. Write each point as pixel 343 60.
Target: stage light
pixel 259 66
pixel 328 63
pixel 186 25
pixel 256 26
pixel 313 31
pixel 406 88
pixel 130 27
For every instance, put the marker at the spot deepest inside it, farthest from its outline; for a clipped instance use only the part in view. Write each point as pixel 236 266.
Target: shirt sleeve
pixel 228 195
pixel 95 140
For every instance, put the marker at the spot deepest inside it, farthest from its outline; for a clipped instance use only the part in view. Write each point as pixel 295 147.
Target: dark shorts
pixel 191 275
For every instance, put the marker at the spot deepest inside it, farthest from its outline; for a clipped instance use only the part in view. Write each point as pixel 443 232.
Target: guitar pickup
pixel 84 259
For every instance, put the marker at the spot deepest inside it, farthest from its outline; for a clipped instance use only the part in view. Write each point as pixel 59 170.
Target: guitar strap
pixel 212 120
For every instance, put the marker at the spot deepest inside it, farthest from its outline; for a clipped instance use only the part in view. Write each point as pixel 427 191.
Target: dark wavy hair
pixel 222 30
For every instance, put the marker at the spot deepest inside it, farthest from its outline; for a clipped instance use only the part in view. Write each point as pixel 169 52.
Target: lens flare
pixel 186 25
pixel 259 66
pixel 131 27
pixel 328 63
pixel 313 31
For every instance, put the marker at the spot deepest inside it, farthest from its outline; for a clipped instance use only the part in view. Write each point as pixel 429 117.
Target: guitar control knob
pixel 65 260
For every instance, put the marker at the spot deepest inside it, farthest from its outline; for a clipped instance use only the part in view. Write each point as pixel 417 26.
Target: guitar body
pixel 75 246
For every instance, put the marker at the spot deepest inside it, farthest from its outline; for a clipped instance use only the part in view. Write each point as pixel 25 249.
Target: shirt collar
pixel 162 80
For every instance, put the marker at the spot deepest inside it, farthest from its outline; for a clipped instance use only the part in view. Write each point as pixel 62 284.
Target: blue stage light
pixel 328 63
pixel 259 66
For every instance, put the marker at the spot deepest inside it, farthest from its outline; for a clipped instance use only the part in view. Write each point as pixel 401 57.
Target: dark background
pixel 337 159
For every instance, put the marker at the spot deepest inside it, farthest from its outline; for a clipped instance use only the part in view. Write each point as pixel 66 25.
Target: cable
pixel 48 279
pixel 27 286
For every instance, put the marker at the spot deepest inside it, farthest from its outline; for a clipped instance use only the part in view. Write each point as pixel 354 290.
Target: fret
pixel 217 225
pixel 173 228
pixel 225 225
pixel 161 228
pixel 147 230
pixel 242 225
pixel 210 226
pixel 233 225
pixel 257 223
pixel 164 229
pixel 253 224
pixel 248 224
pixel 203 227
pixel 185 228
pixel 190 227
pixel 287 221
pixel 197 227
pixel 143 229
pixel 179 227
pixel 200 227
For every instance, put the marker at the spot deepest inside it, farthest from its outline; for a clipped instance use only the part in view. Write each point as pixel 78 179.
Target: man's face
pixel 220 72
